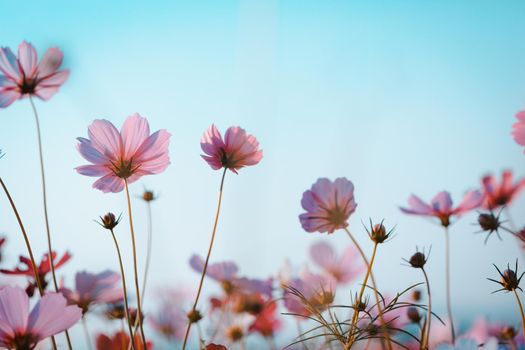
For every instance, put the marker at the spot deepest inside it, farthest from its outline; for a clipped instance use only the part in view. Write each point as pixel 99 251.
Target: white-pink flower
pixel 342 268
pixel 23 329
pixel 23 75
pixel 518 129
pixel 122 156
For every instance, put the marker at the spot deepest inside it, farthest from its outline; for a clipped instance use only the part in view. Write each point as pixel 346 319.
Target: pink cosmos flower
pixel 23 75
pixel 441 206
pixel 518 129
pixel 22 329
pixel 500 194
pixel 237 150
pixel 123 156
pixel 170 322
pixel 328 205
pixel 120 341
pixel 266 323
pixel 91 289
pixel 344 268
pixel 226 274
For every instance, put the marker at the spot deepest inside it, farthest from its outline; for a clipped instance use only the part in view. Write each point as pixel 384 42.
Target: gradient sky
pixel 400 97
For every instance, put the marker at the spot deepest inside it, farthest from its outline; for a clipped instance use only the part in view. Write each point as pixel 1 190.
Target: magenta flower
pixel 328 205
pixel 123 156
pixel 518 129
pixel 441 206
pixel 343 269
pixel 91 289
pixel 500 194
pixel 23 75
pixel 237 150
pixel 21 329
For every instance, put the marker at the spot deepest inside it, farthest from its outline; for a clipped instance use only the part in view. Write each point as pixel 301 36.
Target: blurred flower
pixel 441 206
pixel 126 155
pixel 215 347
pixel 481 331
pixel 500 194
pixel 226 274
pixel 91 289
pixel 21 329
pixel 328 205
pixel 169 321
pixel 148 196
pixel 43 269
pixel 344 269
pixel 518 129
pixel 119 341
pixel 266 323
pixel 23 75
pixel 469 344
pixel 237 150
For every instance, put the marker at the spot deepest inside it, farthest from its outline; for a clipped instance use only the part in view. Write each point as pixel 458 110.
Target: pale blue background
pixel 398 96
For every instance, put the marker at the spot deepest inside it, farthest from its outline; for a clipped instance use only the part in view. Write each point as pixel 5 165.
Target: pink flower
pixel 21 76
pixel 441 206
pixel 497 195
pixel 343 269
pixel 170 322
pixel 125 156
pixel 266 323
pixel 237 150
pixel 226 274
pixel 21 329
pixel 328 205
pixel 518 129
pixel 91 289
pixel 119 341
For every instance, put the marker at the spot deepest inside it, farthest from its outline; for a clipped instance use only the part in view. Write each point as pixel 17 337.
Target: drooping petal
pixel 28 58
pixel 135 131
pixel 52 315
pixel 109 183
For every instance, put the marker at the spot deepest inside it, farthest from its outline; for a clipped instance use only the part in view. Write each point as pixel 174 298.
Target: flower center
pixel 124 168
pixel 336 216
pixel 24 341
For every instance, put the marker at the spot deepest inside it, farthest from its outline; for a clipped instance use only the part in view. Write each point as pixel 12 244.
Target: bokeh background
pixel 400 97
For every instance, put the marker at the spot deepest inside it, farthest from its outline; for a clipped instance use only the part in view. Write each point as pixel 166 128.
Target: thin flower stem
pixel 148 259
pixel 135 270
pixel 126 307
pixel 300 331
pixel 194 308
pixel 28 245
pixel 447 274
pixel 44 193
pixel 44 198
pixel 426 331
pixel 355 317
pixel 521 311
pixel 374 285
pixel 513 229
pixel 86 333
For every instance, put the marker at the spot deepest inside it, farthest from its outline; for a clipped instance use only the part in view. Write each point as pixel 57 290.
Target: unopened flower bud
pixel 379 234
pixel 418 260
pixel 413 315
pixel 234 333
pixel 109 221
pixel 148 196
pixel 488 222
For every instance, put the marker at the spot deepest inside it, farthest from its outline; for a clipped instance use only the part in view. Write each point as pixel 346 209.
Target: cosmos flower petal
pixel 134 132
pixel 109 183
pixel 323 255
pixel 417 206
pixel 7 97
pixel 9 64
pixel 28 58
pixel 442 202
pixel 14 308
pixel 472 200
pixel 105 138
pixel 52 315
pixel 50 62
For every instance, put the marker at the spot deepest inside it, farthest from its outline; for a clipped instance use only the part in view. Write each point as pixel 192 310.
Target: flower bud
pixel 413 315
pixel 148 196
pixel 488 222
pixel 194 316
pixel 418 260
pixel 109 221
pixel 378 233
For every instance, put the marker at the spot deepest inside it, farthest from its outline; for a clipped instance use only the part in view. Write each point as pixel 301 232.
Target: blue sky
pixel 400 97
